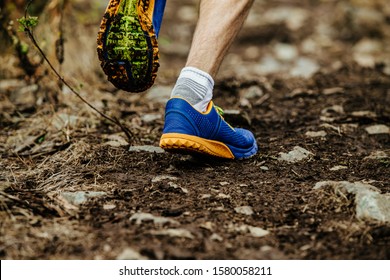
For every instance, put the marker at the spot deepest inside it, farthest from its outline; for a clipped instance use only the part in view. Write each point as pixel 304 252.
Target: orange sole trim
pixel 176 142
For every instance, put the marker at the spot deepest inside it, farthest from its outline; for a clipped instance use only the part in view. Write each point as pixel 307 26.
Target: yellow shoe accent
pixel 176 142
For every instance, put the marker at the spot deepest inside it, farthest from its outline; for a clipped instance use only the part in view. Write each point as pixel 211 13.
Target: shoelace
pixel 219 110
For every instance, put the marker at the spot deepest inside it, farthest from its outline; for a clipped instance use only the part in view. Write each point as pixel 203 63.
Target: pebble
pixel 115 140
pixel 378 129
pixel 377 155
pixel 160 178
pixel 216 237
pixel 253 231
pixel 139 218
pixel 304 67
pixel 334 90
pixel 285 52
pixel 130 254
pixel 146 148
pixel 297 154
pixel 338 167
pixel 314 134
pixel 370 203
pixel 245 210
pixel 257 232
pixel 174 232
pixel 77 198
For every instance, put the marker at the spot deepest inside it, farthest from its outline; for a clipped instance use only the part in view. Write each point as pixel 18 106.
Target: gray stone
pixel 146 148
pixel 245 210
pixel 304 67
pixel 130 254
pixel 77 198
pixel 139 218
pixel 297 154
pixel 174 232
pixel 370 203
pixel 285 52
pixel 315 134
pixel 378 129
pixel 338 167
pixel 377 155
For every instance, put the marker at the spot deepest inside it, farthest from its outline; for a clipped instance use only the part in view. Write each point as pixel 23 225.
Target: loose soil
pixel 42 157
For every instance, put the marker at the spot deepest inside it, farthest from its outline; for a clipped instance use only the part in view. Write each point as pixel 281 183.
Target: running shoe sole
pixel 127 44
pixel 187 130
pixel 183 143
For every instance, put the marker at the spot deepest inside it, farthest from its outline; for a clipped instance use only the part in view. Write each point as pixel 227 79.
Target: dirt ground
pixel 313 74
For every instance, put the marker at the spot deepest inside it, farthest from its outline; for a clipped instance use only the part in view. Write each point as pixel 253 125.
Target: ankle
pixel 195 86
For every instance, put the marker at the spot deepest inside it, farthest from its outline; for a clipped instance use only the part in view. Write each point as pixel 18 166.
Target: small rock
pixel 115 141
pixel 364 114
pixel 160 178
pixel 370 203
pixel 378 129
pixel 333 109
pixel 334 90
pixel 377 155
pixel 253 231
pixel 109 206
pixel 301 92
pixel 216 237
pixel 297 154
pixel 338 167
pixel 252 92
pixel 177 187
pixel 269 65
pixel 285 52
pixel 223 196
pixel 367 46
pixel 245 103
pixel 293 17
pixel 314 134
pixel 146 148
pixel 139 218
pixel 245 210
pixel 304 67
pixel 257 232
pixel 62 120
pixel 77 198
pixel 174 232
pixel 208 225
pixel 265 168
pixel 224 183
pixel 130 254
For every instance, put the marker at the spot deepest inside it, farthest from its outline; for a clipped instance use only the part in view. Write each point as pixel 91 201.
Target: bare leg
pixel 192 123
pixel 218 24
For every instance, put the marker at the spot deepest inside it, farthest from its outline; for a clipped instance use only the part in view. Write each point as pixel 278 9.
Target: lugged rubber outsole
pixel 127 44
pixel 176 142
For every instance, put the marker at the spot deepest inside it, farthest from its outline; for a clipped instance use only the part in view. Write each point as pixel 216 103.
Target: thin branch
pixel 29 32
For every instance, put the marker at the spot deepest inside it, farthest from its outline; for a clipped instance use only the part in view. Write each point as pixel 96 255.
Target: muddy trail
pixel 74 186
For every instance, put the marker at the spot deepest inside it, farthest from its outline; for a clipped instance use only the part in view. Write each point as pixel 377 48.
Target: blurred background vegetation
pixel 281 37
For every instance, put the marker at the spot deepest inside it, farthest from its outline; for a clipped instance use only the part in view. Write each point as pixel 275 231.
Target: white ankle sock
pixel 195 86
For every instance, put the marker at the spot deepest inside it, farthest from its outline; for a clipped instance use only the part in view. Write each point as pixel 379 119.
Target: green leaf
pixel 27 23
pixel 24 48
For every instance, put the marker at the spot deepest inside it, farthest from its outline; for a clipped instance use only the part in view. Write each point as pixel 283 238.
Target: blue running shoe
pixel 188 130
